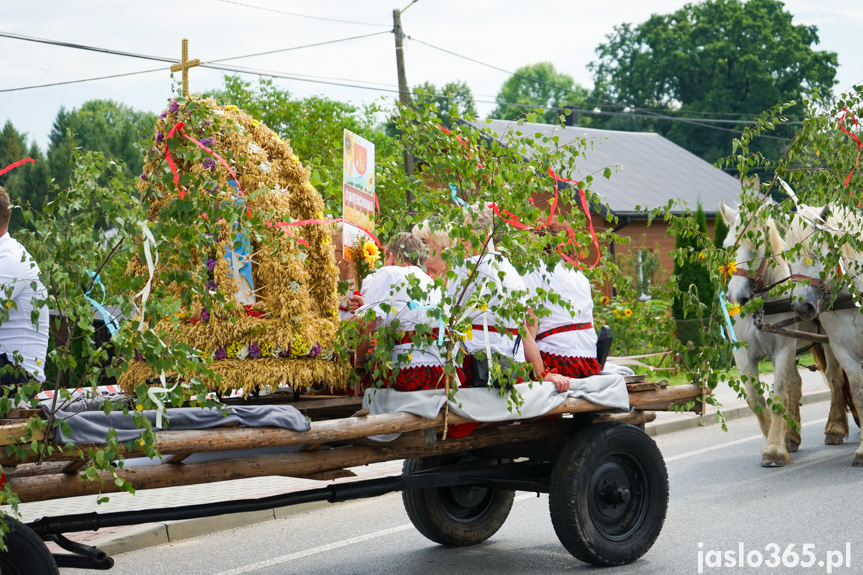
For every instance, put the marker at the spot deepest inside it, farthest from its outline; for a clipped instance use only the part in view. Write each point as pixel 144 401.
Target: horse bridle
pixel 758 278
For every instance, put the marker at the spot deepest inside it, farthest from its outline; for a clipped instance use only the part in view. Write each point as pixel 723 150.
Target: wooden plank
pixel 328 475
pixel 642 386
pixel 12 433
pixel 635 378
pixel 24 413
pixel 73 467
pixel 178 457
pixel 286 464
pixel 323 432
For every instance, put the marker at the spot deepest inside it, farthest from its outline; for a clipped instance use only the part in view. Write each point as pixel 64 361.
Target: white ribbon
pixel 155 393
pixel 151 266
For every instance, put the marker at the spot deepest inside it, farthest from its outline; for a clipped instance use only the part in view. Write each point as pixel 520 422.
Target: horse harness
pixel 775 307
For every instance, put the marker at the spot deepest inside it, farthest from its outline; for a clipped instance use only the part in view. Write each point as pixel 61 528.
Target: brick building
pixel 649 170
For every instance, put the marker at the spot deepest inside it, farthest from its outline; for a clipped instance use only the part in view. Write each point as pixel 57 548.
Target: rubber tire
pixel 25 553
pixel 608 452
pixel 432 510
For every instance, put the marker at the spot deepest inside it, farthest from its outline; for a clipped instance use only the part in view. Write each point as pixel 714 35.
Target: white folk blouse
pixel 19 333
pixel 573 287
pixel 390 285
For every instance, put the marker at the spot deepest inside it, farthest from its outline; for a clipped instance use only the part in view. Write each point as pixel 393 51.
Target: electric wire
pixel 305 15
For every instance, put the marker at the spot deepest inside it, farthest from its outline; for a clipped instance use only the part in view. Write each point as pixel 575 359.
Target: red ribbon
pixel 516 223
pixel 854 137
pixel 284 225
pixel 179 127
pixel 16 164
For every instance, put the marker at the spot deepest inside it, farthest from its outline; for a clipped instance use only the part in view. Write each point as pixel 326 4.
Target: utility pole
pixel 404 97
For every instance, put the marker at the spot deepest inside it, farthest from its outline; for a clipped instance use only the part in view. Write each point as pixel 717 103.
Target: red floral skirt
pixel 571 366
pixel 411 378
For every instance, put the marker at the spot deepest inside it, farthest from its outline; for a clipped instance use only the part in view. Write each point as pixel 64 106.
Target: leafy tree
pixel 538 86
pixel 315 127
pixel 104 126
pixel 692 274
pixel 720 232
pixel 726 57
pixel 452 97
pixel 28 184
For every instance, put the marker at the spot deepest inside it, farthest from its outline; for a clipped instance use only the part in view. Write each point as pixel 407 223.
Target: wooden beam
pixel 350 428
pixel 290 464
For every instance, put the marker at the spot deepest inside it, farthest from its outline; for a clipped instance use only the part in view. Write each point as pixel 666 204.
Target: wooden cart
pixel 606 479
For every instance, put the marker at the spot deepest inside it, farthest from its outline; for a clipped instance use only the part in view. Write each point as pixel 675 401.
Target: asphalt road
pixel 720 498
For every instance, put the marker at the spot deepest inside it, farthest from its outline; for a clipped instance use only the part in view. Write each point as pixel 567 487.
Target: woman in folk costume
pixel 565 338
pixel 490 331
pixel 417 365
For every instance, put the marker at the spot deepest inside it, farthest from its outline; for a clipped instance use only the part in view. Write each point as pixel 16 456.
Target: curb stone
pixel 152 534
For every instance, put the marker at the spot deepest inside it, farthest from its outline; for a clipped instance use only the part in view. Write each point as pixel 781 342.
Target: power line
pixel 147 57
pixel 305 15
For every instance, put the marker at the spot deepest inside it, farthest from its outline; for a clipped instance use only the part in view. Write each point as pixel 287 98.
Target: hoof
pixel 770 462
pixel 833 439
pixel 774 456
pixel 858 460
pixel 791 445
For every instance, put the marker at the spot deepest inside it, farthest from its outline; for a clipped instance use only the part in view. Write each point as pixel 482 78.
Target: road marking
pixel 730 443
pixel 331 546
pixel 316 550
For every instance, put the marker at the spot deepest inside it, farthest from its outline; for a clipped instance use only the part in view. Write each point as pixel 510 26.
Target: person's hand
pixel 355 301
pixel 561 382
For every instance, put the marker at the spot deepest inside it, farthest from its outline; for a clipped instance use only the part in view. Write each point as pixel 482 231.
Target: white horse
pixel 754 271
pixel 844 327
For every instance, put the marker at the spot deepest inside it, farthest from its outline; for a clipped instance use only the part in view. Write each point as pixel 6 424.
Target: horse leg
pixel 786 388
pixel 850 359
pixel 754 399
pixel 836 429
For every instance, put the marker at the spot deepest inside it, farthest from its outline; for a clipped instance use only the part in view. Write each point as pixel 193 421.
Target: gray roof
pixel 648 170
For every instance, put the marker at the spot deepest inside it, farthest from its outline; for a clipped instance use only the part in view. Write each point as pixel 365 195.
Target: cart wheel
pixel 459 515
pixel 609 494
pixel 25 553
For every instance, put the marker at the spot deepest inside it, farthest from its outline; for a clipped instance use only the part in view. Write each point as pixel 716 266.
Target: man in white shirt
pixel 23 341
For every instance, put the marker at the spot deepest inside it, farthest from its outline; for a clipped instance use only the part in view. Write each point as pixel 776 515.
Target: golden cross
pixel 184 65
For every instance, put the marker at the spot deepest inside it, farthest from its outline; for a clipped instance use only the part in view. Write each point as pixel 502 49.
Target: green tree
pixel 454 98
pixel 28 184
pixel 692 274
pixel 726 57
pixel 314 127
pixel 720 232
pixel 104 126
pixel 538 86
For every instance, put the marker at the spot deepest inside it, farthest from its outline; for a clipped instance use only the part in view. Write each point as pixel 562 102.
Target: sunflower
pixel 627 312
pixel 371 253
pixel 604 300
pixel 733 310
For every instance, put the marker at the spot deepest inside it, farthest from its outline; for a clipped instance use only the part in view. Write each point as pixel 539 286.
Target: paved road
pixel 720 497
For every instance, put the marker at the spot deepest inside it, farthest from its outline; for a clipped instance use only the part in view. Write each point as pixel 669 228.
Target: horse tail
pixel 820 358
pixel 849 398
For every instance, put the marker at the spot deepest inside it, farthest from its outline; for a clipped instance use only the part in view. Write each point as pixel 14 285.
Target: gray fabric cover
pixel 486 405
pixel 93 426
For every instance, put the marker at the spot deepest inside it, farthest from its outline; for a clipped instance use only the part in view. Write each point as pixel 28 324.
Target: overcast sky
pixel 503 33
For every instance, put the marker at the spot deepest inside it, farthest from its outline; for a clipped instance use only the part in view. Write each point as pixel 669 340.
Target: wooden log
pixel 290 464
pixel 11 433
pixel 642 386
pixel 323 432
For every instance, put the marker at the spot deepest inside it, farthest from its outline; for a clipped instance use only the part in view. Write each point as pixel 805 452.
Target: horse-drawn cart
pixel 606 479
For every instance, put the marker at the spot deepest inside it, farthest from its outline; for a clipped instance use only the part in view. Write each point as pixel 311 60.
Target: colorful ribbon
pixel 284 225
pixel 515 222
pixel 110 321
pixel 728 323
pixel 179 128
pixel 414 304
pixel 16 164
pixel 144 294
pixel 856 140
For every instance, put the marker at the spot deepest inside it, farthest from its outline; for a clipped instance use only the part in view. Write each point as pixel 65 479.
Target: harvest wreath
pixel 267 310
